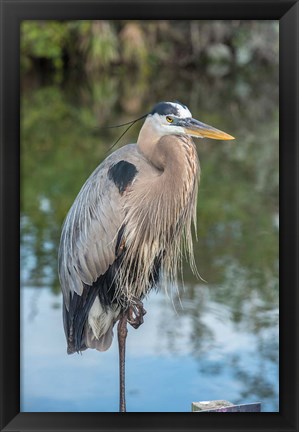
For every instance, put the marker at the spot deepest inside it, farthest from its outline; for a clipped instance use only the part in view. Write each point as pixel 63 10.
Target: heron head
pixel 174 118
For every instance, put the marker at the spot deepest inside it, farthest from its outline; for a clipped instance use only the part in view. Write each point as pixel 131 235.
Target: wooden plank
pixel 224 406
pixel 210 405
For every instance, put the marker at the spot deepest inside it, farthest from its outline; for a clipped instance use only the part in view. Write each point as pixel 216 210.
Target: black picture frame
pixel 12 13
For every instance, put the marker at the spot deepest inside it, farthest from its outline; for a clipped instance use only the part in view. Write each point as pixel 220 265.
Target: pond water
pixel 220 340
pixel 168 366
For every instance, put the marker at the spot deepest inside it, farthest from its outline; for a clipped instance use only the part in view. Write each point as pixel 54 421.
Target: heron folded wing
pixel 87 246
pixel 88 260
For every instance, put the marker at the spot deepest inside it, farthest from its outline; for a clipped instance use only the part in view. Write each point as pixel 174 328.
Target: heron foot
pixel 135 314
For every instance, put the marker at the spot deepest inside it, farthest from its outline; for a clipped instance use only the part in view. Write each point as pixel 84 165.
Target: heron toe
pixel 135 314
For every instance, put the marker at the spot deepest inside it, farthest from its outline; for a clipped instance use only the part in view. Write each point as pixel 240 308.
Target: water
pixel 168 366
pixel 223 343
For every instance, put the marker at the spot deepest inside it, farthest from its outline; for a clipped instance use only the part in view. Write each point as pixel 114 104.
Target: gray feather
pixel 89 235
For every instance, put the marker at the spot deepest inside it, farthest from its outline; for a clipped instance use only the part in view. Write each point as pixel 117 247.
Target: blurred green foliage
pixel 90 46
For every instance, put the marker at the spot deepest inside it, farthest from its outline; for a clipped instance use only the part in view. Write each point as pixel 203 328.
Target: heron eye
pixel 169 119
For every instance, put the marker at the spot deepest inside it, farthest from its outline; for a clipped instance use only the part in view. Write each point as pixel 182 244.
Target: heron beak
pixel 195 128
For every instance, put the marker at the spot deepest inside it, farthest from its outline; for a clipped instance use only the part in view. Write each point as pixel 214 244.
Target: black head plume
pixel 130 123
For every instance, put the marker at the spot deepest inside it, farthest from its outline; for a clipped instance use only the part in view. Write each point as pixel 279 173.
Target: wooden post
pixel 224 406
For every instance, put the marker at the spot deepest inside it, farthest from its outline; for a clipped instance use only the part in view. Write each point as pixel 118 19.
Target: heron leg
pixel 122 335
pixel 135 313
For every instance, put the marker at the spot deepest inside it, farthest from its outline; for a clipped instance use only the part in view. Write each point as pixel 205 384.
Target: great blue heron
pixel 127 227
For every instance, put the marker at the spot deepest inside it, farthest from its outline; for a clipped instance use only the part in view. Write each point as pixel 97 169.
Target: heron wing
pixel 88 252
pixel 89 234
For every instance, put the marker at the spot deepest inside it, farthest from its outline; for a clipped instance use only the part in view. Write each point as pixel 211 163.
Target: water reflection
pixel 223 344
pixel 192 354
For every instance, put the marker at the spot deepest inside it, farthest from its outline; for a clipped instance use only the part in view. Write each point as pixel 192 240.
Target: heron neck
pixel 177 158
pixel 173 155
